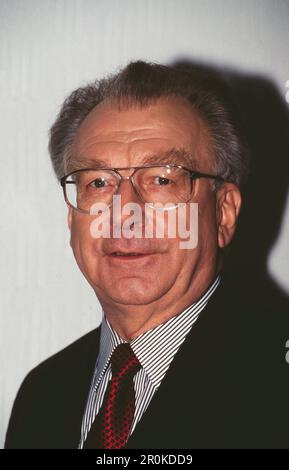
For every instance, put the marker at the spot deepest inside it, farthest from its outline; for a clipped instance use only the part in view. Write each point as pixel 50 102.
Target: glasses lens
pixel 163 184
pixel 84 188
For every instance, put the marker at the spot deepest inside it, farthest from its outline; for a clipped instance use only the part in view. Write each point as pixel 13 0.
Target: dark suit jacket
pixel 227 387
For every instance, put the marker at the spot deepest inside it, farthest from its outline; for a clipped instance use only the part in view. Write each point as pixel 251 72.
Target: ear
pixel 228 204
pixel 69 220
pixel 69 217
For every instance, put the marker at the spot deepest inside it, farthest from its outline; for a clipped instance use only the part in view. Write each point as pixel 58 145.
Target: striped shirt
pixel 155 350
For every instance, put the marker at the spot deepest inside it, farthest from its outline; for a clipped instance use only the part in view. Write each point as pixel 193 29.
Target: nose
pixel 131 216
pixel 127 192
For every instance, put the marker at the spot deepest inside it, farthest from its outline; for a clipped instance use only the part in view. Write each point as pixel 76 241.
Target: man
pixel 179 361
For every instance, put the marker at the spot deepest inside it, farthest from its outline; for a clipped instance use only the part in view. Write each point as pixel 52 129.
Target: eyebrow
pixel 172 156
pixel 79 163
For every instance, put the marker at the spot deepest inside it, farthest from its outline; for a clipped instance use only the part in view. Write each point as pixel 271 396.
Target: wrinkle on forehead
pixel 168 132
pixel 108 123
pixel 172 156
pixel 101 135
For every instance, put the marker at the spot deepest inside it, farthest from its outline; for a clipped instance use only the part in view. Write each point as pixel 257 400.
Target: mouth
pixel 130 256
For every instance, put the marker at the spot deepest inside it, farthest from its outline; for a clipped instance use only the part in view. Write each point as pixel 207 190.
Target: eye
pixel 162 181
pixel 98 183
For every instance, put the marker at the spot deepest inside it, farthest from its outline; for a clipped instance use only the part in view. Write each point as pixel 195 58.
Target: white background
pixel 48 48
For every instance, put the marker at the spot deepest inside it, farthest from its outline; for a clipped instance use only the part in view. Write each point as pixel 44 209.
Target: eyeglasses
pixel 154 184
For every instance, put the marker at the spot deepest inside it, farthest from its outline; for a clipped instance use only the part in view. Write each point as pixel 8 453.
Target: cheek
pixel 201 225
pixel 84 246
pixel 182 255
pixel 208 230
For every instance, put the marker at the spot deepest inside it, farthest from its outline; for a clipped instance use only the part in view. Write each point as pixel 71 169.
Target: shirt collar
pixel 174 331
pixel 109 340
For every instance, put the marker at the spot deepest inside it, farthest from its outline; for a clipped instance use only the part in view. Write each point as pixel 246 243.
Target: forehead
pixel 126 136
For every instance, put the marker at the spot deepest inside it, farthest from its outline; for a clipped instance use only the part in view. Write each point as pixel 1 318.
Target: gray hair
pixel 142 83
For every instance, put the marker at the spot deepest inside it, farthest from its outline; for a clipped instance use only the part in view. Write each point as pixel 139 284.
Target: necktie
pixel 111 427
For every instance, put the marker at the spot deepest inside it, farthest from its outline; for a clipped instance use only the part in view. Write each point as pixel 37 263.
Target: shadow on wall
pixel 265 120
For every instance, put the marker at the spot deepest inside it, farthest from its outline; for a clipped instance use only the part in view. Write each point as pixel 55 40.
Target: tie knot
pixel 124 361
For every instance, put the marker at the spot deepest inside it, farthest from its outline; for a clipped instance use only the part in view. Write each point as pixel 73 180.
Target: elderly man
pixel 179 360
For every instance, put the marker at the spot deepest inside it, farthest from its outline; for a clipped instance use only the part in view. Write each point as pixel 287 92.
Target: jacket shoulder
pixel 72 354
pixel 68 359
pixel 50 391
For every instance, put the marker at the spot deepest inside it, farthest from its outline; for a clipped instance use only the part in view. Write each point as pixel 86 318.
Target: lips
pixel 117 253
pixel 120 248
pixel 130 256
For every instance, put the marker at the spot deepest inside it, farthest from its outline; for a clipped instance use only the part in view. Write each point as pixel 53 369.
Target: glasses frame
pixel 193 175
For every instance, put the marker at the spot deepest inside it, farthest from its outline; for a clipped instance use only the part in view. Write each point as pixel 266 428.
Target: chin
pixel 133 297
pixel 133 293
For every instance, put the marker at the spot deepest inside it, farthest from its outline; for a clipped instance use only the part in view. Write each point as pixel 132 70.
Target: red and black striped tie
pixel 112 425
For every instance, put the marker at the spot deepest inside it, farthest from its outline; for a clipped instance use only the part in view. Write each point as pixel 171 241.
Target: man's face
pixel 125 138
